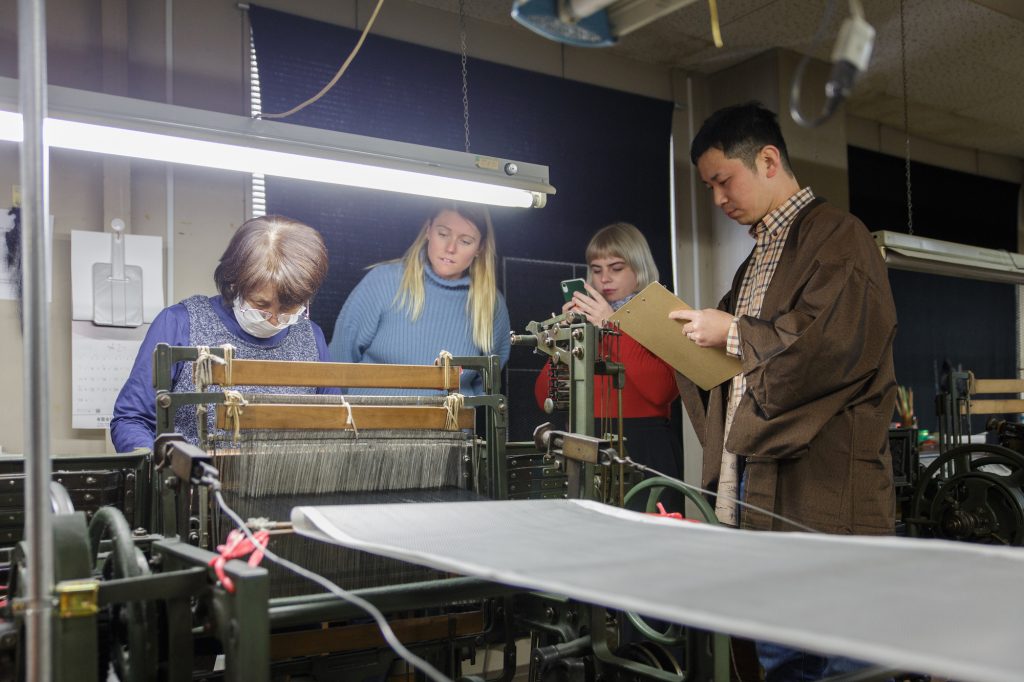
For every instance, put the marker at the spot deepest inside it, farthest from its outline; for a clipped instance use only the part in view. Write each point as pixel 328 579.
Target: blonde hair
pixel 483 289
pixel 625 241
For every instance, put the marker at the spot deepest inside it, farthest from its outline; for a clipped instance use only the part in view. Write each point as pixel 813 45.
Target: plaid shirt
pixel 770 236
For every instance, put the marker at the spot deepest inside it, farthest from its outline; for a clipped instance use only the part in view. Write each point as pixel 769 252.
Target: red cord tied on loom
pixel 237 546
pixel 671 515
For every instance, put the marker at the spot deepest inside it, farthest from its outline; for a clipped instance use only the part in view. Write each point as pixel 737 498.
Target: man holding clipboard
pixel 802 429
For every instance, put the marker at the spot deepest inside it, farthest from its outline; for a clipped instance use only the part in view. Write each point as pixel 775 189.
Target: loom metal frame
pixel 84 477
pixel 568 339
pixel 238 620
pixel 565 618
pixel 171 504
pixel 185 579
pixel 321 374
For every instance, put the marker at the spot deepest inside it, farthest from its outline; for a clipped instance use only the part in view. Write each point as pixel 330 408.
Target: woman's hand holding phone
pixel 571 286
pixel 591 305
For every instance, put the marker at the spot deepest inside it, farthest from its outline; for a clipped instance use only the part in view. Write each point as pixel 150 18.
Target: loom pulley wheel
pixel 972 493
pixel 132 644
pixel 672 633
pixel 654 655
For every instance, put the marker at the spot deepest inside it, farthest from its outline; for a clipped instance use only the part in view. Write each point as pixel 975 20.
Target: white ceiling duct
pixel 937 257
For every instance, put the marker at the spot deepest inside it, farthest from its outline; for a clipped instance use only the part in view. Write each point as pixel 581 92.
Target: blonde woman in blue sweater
pixel 441 295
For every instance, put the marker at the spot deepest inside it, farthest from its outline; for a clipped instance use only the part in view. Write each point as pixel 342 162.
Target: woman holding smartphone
pixel 621 265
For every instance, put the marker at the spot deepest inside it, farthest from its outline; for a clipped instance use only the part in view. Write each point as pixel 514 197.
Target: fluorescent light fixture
pixel 937 257
pixel 10 126
pixel 107 124
pixel 566 21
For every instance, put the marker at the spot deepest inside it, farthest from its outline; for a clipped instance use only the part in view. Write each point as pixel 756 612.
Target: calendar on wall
pixel 101 360
pixel 104 343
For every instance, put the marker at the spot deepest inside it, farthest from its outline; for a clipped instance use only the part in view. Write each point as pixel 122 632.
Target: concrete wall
pixel 818 156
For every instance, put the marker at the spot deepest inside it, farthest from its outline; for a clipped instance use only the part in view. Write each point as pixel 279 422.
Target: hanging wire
pixel 716 29
pixel 465 79
pixel 337 76
pixel 695 488
pixel 906 118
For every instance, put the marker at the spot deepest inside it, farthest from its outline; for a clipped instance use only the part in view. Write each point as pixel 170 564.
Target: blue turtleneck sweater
pixel 372 328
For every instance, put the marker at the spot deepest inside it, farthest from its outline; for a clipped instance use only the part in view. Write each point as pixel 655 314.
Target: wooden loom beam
pixel 330 374
pixel 1003 405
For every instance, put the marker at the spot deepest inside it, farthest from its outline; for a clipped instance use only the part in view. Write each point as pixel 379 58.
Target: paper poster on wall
pixel 8 274
pixel 101 360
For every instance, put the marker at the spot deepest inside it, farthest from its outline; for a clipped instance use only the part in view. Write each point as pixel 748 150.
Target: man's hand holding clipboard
pixel 708 328
pixel 656 319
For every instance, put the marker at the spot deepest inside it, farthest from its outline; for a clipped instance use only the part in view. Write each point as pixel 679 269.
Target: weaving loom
pixel 971 491
pixel 266 472
pixel 274 451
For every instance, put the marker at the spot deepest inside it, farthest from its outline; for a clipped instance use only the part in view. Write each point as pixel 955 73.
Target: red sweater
pixel 650 383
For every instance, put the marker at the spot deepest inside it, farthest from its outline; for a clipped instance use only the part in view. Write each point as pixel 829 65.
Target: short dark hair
pixel 740 132
pixel 289 255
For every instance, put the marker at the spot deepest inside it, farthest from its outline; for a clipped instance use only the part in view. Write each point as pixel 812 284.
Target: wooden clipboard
pixel 645 318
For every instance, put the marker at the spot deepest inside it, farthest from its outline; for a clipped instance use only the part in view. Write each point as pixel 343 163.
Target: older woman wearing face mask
pixel 441 295
pixel 266 278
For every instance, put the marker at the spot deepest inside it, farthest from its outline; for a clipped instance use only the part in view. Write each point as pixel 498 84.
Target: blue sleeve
pixel 134 422
pixel 359 319
pixel 502 331
pixel 325 356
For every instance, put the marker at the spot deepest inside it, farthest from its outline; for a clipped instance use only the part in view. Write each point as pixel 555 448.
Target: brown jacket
pixel 813 423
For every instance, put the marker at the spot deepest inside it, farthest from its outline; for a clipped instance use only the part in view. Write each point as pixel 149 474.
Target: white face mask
pixel 252 322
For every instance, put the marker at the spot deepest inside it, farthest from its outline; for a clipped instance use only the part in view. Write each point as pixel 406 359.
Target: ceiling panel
pixel 964 57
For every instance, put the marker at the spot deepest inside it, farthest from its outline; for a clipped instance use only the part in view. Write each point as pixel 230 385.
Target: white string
pixel 752 507
pixel 444 358
pixel 203 369
pixel 350 421
pixel 229 355
pixel 453 404
pixel 234 402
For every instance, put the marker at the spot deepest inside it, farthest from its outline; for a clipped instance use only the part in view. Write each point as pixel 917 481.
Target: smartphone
pixel 571 286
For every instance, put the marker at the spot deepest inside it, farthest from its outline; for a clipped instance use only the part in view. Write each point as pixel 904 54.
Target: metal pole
pixel 35 324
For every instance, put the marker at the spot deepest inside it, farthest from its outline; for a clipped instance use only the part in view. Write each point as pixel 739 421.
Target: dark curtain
pixel 607 151
pixel 966 323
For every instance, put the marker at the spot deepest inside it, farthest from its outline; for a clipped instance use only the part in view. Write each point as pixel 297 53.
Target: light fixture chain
pixel 906 118
pixel 465 79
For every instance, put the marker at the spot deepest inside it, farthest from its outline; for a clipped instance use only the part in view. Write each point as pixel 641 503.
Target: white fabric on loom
pixel 929 606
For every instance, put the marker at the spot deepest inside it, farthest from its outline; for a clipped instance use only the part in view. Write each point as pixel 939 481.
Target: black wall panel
pixel 966 323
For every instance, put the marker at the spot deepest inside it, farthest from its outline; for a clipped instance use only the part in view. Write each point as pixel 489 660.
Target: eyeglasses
pixel 255 314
